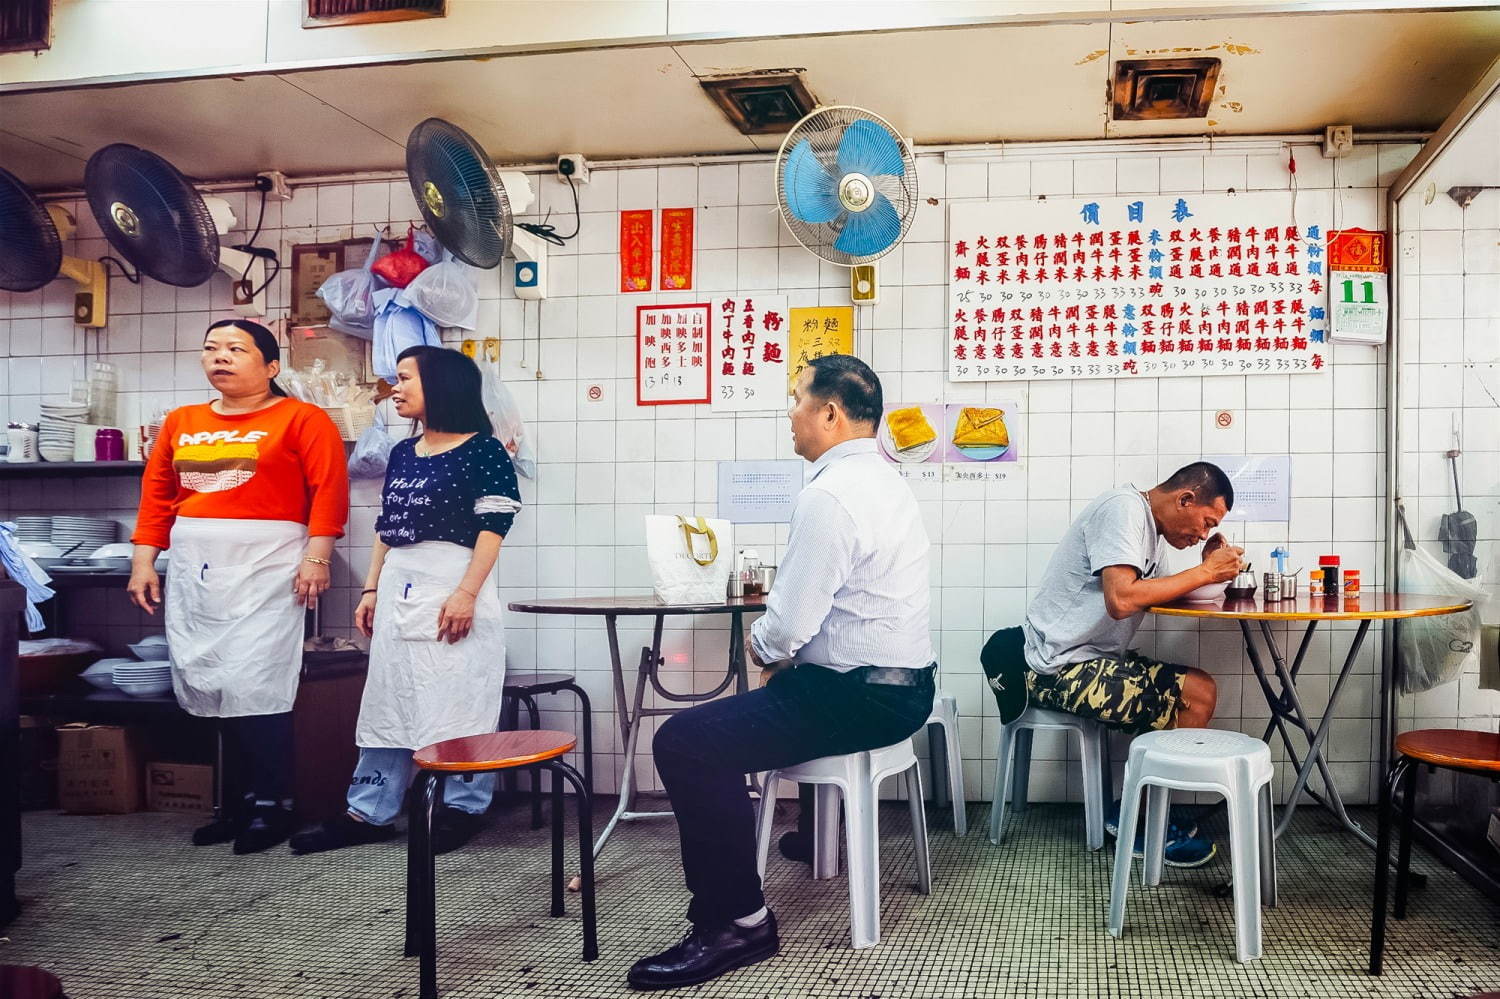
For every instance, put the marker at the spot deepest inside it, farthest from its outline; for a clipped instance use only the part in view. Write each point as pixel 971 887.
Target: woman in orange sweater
pixel 248 494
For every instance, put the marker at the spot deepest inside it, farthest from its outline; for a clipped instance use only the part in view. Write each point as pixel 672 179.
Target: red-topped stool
pixel 484 754
pixel 1467 752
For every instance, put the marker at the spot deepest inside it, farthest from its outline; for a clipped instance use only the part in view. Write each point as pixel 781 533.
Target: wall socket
pixel 1338 140
pixel 573 165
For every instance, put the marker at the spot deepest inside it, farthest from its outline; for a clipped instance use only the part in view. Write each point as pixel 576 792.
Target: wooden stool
pixel 524 688
pixel 1452 749
pixel 484 754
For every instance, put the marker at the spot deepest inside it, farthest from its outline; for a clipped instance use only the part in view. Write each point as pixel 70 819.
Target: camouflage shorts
pixel 1134 693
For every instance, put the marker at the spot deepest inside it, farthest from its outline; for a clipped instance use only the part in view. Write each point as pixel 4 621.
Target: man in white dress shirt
pixel 846 635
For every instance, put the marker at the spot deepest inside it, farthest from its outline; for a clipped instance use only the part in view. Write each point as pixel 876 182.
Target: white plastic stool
pixel 858 776
pixel 945 718
pixel 1013 765
pixel 1235 765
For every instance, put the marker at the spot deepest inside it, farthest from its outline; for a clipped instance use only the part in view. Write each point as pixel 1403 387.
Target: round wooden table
pixel 632 711
pixel 1286 706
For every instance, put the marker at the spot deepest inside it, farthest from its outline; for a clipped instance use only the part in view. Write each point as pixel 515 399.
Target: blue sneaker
pixel 1190 851
pixel 1180 823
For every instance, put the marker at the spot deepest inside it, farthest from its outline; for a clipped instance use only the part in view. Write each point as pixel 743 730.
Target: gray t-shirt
pixel 1068 622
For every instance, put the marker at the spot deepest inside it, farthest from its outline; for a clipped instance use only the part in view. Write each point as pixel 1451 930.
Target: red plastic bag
pixel 399 267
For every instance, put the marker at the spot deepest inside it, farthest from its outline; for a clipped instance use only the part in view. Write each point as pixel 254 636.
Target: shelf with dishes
pixel 68 469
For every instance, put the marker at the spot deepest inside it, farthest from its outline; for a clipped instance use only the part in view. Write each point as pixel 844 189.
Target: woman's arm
pixel 364 612
pixel 315 571
pixel 456 619
pixel 154 519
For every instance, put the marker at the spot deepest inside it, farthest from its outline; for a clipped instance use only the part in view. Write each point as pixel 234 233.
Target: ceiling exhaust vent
pixel 1161 89
pixel 25 25
pixel 771 100
pixel 327 13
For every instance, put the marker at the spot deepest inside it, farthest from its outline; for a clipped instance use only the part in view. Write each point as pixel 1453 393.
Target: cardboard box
pixel 179 787
pixel 98 769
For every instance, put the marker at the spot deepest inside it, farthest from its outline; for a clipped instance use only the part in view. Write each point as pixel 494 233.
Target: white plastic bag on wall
pixel 505 416
pixel 446 293
pixel 1431 651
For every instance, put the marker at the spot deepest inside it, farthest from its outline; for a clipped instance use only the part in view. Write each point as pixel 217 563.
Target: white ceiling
pixel 1289 73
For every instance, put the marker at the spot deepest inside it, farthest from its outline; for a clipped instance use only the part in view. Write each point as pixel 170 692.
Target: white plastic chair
pixel 1013 766
pixel 858 777
pixel 942 741
pixel 1232 764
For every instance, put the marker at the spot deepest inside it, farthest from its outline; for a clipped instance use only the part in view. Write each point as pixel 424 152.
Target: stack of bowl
pixel 59 426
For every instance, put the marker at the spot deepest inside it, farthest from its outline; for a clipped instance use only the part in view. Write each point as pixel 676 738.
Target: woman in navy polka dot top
pixel 430 606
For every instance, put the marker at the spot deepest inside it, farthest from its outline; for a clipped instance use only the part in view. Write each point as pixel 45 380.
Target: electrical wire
pixel 548 233
pixel 257 253
pixel 124 271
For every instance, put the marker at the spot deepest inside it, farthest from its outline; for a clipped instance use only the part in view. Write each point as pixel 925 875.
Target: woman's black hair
pixel 265 342
pixel 452 388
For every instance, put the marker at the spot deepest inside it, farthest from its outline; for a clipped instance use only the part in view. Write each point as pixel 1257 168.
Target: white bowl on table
pixel 149 688
pixel 1207 593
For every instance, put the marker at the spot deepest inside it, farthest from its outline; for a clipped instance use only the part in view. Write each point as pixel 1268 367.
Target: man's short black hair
pixel 847 380
pixel 1207 481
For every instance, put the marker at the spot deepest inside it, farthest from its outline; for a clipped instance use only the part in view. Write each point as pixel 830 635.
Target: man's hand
pixel 1223 563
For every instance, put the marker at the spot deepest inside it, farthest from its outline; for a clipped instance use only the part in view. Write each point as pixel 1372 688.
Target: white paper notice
pixel 749 352
pixel 1262 486
pixel 759 492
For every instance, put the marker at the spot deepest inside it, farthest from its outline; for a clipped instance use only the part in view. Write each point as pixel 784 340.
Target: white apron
pixel 419 690
pixel 234 627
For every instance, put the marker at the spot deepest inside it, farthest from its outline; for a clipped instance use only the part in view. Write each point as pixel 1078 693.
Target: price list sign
pixel 749 352
pixel 1203 284
pixel 671 354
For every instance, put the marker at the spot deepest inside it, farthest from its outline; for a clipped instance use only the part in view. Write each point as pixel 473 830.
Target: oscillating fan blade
pixel 811 192
pixel 871 231
pixel 869 149
pixel 458 192
pixel 30 249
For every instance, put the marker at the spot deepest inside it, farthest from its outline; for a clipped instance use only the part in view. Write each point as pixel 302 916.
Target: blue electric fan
pixel 846 184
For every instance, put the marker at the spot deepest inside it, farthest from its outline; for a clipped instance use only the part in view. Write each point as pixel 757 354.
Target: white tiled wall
pixel 1449 315
pixel 606 464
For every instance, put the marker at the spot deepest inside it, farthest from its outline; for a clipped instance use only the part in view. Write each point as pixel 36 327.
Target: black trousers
pixel 257 757
pixel 704 753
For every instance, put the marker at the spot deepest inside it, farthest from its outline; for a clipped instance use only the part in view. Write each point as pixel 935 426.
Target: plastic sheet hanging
pixel 397 327
pixel 1431 651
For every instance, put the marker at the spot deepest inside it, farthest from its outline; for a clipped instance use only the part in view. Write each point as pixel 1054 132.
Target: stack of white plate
pixel 81 535
pixel 59 420
pixel 34 529
pixel 145 679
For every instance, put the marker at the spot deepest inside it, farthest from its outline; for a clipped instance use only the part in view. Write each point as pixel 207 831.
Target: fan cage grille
pixel 476 221
pixel 823 130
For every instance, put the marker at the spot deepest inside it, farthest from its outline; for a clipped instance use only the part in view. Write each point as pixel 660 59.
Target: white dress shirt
pixel 853 583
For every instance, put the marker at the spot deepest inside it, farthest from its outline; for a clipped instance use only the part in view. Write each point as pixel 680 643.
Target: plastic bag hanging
pixel 399 267
pixel 1432 651
pixel 446 293
pixel 505 416
pixel 349 295
pixel 372 452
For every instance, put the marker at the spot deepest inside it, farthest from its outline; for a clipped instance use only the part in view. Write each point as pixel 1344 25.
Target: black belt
pixel 894 676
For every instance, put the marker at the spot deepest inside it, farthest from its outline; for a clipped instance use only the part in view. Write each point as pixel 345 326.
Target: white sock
pixel 754 919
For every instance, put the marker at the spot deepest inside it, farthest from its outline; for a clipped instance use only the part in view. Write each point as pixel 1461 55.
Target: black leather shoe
pixel 268 825
pixel 452 828
pixel 217 831
pixel 706 954
pixel 339 832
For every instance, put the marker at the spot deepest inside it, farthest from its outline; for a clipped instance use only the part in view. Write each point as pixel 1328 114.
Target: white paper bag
pixel 690 558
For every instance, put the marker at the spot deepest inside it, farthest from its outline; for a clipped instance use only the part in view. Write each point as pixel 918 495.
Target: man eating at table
pixel 1095 592
pixel 845 634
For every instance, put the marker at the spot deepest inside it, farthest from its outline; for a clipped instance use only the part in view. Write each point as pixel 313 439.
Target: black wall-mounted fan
pixel 31 251
pixel 152 215
pixel 470 206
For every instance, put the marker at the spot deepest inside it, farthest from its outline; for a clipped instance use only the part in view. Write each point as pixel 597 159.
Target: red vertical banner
pixel 635 250
pixel 676 249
